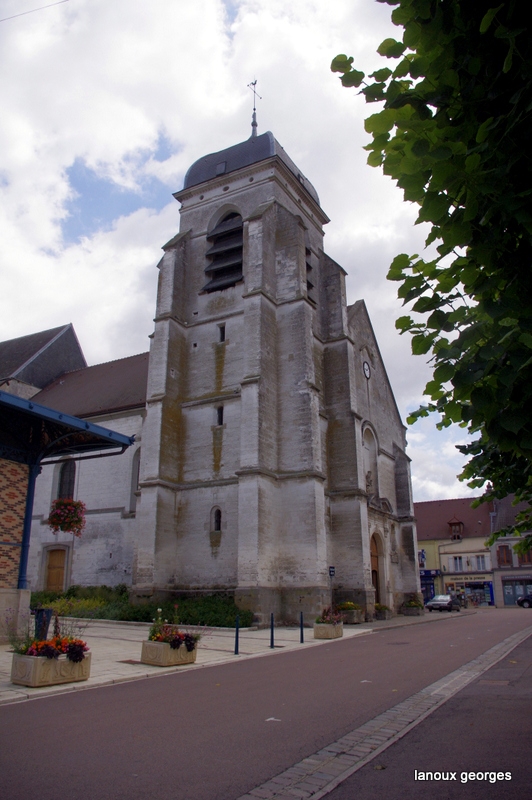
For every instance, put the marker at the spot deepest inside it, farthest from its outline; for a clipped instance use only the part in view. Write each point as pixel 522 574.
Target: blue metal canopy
pixel 34 435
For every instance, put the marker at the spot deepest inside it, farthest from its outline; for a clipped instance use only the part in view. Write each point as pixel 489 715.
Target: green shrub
pixel 105 602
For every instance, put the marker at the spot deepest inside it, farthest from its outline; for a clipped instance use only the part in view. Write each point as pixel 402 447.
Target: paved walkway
pixel 116 646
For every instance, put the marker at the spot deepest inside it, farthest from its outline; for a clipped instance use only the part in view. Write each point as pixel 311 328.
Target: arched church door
pixel 375 568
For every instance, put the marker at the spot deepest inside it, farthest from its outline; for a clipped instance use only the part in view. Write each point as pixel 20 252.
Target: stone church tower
pixel 272 447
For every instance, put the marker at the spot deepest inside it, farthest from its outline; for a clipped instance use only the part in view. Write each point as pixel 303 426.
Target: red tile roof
pixel 103 388
pixel 433 518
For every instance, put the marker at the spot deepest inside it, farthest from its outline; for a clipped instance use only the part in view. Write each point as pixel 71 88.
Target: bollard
pixel 301 637
pixel 237 625
pixel 271 631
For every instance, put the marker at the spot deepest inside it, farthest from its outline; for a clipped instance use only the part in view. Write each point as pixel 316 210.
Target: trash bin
pixel 43 617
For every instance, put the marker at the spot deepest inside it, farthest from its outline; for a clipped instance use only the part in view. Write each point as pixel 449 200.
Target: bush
pixel 105 602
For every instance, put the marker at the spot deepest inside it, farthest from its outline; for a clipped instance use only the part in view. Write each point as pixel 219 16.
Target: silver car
pixel 443 602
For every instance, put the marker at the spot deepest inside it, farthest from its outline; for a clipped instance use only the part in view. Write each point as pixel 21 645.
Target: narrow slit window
pixel 220 415
pixel 217 519
pixel 222 333
pixel 67 479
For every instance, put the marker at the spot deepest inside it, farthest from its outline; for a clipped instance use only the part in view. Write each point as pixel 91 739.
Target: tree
pixel 454 132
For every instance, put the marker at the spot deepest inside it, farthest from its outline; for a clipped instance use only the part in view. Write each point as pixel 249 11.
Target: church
pixel 270 457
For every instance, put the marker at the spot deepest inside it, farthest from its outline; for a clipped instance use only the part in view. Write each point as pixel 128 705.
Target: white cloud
pixel 101 82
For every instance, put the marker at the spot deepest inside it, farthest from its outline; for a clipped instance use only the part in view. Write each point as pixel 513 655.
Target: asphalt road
pixel 215 733
pixel 475 745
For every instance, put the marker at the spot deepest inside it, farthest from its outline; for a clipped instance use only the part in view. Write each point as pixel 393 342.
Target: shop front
pixel 427 578
pixel 477 590
pixel 514 587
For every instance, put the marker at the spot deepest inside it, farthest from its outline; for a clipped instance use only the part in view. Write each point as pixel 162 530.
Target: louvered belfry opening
pixel 225 254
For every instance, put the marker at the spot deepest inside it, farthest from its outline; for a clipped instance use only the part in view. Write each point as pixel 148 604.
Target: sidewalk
pixel 116 647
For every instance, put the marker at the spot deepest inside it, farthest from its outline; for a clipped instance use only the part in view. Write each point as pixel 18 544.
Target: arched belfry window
pixel 225 253
pixel 67 479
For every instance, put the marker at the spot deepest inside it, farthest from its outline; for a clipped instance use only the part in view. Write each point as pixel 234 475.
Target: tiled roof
pixel 433 516
pixel 109 387
pixel 16 352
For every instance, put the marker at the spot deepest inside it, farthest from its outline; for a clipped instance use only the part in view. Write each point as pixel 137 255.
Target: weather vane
pixel 253 88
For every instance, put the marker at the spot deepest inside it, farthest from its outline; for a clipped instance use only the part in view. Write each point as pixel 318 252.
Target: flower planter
pixel 383 615
pixel 326 630
pixel 160 654
pixel 413 612
pixel 354 617
pixel 41 671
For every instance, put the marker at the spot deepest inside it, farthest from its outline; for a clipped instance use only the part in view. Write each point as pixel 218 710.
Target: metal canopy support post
pixel 33 472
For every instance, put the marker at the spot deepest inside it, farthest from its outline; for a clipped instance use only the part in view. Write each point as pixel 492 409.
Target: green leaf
pixel 487 19
pixel 421 344
pixel 403 323
pixel 353 78
pixel 472 162
pixel 482 133
pixel 508 60
pixel 375 158
pixel 381 74
pixel 341 63
pixel 380 123
pixel 420 147
pixel 444 372
pixel 391 48
pixel 434 208
pixel 440 153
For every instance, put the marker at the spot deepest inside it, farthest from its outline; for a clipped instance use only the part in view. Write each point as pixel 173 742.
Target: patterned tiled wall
pixel 13 487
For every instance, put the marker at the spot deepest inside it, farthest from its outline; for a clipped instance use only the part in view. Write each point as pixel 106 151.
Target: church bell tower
pixel 252 434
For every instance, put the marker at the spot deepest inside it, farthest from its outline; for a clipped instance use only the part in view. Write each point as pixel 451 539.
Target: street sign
pixel 332 572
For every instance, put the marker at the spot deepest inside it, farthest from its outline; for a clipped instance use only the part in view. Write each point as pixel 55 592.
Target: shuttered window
pixel 224 254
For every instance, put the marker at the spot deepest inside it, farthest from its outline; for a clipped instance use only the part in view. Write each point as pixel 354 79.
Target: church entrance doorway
pixel 374 551
pixel 55 570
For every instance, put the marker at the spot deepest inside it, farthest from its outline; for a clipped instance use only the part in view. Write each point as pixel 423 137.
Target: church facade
pixel 269 445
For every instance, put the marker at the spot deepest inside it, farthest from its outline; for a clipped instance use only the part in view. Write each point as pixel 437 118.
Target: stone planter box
pixel 413 612
pixel 40 671
pixel 383 615
pixel 354 617
pixel 160 654
pixel 325 630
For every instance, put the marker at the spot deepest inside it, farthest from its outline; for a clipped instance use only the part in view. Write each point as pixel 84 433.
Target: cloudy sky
pixel 106 103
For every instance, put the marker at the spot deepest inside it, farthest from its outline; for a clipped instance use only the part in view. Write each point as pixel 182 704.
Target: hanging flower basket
pixel 67 516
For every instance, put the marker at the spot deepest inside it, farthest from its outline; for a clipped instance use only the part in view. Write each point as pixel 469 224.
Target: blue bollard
pixel 271 631
pixel 237 625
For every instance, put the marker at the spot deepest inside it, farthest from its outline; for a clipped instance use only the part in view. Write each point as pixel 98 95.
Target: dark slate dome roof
pixel 253 150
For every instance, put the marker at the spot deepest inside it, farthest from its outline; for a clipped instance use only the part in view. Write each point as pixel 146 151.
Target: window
pixel 220 415
pixel 225 254
pixel 217 519
pixel 456 529
pixel 457 564
pixel 481 563
pixel 310 285
pixel 135 477
pixel 504 556
pixel 222 332
pixel 525 559
pixel 67 479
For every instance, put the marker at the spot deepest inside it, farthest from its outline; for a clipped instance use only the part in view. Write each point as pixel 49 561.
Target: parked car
pixel 443 602
pixel 526 601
